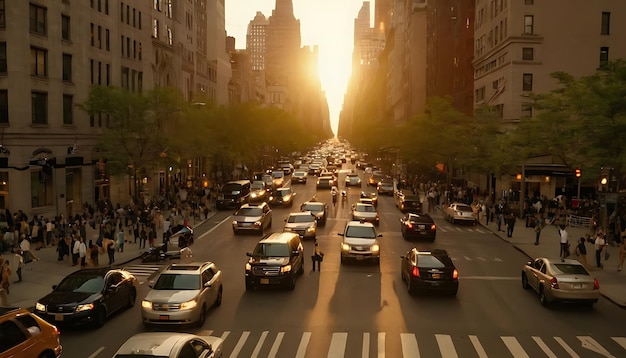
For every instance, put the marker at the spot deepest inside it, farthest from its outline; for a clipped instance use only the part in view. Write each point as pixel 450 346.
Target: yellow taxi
pixel 24 334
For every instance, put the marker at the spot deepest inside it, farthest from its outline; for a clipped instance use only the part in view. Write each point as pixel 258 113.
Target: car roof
pixel 279 237
pixel 283 189
pixel 363 204
pixel 155 343
pixel 557 260
pixel 187 267
pixel 101 271
pixel 253 205
pixel 300 213
pixel 418 216
pixel 359 223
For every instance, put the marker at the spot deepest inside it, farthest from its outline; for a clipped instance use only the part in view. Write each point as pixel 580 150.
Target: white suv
pixel 182 294
pixel 360 242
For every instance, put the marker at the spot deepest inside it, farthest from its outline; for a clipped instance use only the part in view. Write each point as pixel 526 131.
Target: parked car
pixel 560 280
pixel 360 242
pixel 170 345
pixel 282 197
pixel 459 212
pixel 252 217
pixel 365 212
pixel 24 334
pixel 259 191
pixel 275 261
pixel 88 296
pixel 418 226
pixel 182 294
pixel 429 271
pixel 299 177
pixel 408 203
pixel 302 223
pixel 318 209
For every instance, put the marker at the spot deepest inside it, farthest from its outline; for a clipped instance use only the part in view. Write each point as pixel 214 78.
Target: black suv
pixel 429 271
pixel 233 194
pixel 275 261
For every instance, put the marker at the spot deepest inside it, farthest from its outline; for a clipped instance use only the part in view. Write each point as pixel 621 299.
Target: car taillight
pixel 56 330
pixel 455 274
pixel 415 272
pixel 596 284
pixel 433 227
pixel 409 225
pixel 554 283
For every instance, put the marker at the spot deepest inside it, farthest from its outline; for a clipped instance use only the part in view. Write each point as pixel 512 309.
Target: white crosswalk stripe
pixel 253 344
pixel 143 272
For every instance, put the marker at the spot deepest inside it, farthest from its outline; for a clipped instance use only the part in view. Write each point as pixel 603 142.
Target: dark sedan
pixel 418 226
pixel 88 296
pixel 282 197
pixel 429 271
pixel 409 203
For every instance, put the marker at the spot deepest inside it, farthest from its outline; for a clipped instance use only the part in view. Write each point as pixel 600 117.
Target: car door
pixel 533 276
pixel 13 340
pixel 115 295
pixel 267 213
pixel 208 291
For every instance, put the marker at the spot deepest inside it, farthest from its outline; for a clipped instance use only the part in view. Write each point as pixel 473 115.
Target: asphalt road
pixel 365 311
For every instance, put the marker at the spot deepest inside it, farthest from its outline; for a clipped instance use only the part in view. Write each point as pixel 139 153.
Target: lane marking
pixel 240 344
pixel 381 344
pixel 593 345
pixel 544 347
pixel 365 350
pixel 409 345
pixel 620 340
pixel 259 344
pixel 215 227
pixel 446 347
pixel 95 354
pixel 276 345
pixel 338 345
pixel 478 347
pixel 514 347
pixel 304 342
pixel 567 348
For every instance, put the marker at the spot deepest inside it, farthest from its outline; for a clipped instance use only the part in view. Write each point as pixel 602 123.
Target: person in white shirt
pixel 599 244
pixel 564 242
pixel 82 252
pixel 25 248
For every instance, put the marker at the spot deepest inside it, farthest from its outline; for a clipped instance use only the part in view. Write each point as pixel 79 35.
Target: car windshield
pixel 361 231
pixel 569 269
pixel 299 174
pixel 231 188
pixel 429 261
pixel 313 207
pixel 366 208
pixel 249 212
pixel 81 283
pixel 300 219
pixel 282 193
pixel 173 281
pixel 258 185
pixel 271 250
pixel 278 174
pixel 463 208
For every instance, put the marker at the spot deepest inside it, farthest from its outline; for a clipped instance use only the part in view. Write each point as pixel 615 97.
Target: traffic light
pixel 578 173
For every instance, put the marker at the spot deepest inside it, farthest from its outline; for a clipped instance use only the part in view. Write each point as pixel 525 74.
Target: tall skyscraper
pixel 283 43
pixel 382 15
pixel 256 41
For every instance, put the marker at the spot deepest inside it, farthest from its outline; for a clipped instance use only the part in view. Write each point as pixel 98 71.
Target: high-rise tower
pixel 256 41
pixel 282 44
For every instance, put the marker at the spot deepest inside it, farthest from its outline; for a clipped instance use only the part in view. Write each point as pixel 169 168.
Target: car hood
pixel 64 298
pixel 171 296
pixel 298 225
pixel 246 219
pixel 359 241
pixel 270 261
pixel 364 214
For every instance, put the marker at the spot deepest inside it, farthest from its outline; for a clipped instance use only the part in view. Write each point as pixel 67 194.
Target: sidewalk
pixel 611 281
pixel 39 276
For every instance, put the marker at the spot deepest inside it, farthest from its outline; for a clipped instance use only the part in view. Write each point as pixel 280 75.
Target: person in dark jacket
pixel 510 224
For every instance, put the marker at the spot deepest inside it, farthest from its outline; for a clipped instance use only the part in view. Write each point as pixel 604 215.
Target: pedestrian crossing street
pixel 404 345
pixel 143 272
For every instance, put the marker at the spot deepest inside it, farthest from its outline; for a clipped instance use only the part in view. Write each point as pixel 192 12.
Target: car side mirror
pixel 403 257
pixel 54 287
pixel 529 263
pixel 249 254
pixel 340 234
pixel 380 235
pixel 285 220
pixel 295 253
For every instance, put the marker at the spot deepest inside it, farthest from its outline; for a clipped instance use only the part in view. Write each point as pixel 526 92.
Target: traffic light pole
pixel 578 191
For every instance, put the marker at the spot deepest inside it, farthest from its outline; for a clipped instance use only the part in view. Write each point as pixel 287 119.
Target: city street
pixel 355 310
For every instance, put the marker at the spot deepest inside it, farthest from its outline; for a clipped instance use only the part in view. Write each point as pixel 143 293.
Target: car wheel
pixel 218 299
pixel 46 354
pixel 236 232
pixel 453 293
pixel 202 318
pixel 524 281
pixel 301 270
pixel 542 297
pixel 270 224
pixel 131 298
pixel 99 317
pixel 409 286
pixel 249 286
pixel 292 282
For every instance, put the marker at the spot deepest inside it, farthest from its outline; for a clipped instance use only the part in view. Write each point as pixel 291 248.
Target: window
pixel 168 8
pixel 121 12
pixel 527 82
pixel 4 106
pixel 67 67
pixel 155 28
pixel 93 36
pixel 107 74
pixel 107 36
pixel 170 38
pixel 106 7
pixel 65 27
pixel 37 19
pixel 605 29
pixel 156 4
pixel 528 53
pixel 39 108
pixel 604 56
pixel 12 336
pixel 2 15
pixel 38 62
pixel 499 108
pixel 3 57
pixel 139 20
pixel 100 37
pixel 527 110
pixel 122 44
pixel 529 21
pixel 68 109
pixel 479 94
pixel 41 187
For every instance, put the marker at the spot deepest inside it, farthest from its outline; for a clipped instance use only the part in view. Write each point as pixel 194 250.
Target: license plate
pixel 435 275
pixel 578 285
pixel 265 281
pixel 58 317
pixel 164 318
pixel 421 227
pixel 359 257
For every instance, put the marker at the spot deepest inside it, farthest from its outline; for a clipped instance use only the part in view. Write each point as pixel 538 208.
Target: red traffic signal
pixel 578 173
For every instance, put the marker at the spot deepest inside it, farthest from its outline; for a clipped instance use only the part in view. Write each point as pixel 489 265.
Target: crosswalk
pixel 143 272
pixel 409 345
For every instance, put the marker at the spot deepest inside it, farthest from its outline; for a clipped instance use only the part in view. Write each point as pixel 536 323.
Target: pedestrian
pixel 564 243
pixel 82 252
pixel 622 254
pixel 143 237
pixel 581 251
pixel 108 246
pixel 500 219
pixel 136 231
pixel 17 263
pixel 75 250
pixel 120 239
pixel 62 249
pixel 539 224
pixel 25 248
pixel 151 237
pixel 6 275
pixel 318 256
pixel 510 225
pixel 599 244
pixel 93 254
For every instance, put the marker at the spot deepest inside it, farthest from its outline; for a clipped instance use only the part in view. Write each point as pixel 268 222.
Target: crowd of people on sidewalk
pixel 117 227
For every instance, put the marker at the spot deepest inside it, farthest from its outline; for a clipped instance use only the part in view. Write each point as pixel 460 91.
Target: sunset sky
pixel 326 23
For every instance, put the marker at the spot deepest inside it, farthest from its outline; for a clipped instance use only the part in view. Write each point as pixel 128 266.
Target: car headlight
pixel 286 268
pixel 248 266
pixel 271 198
pixel 375 248
pixel 188 305
pixel 311 229
pixel 146 304
pixel 253 195
pixel 40 307
pixel 257 224
pixel 85 307
pixel 220 197
pixel 345 247
pixel 234 222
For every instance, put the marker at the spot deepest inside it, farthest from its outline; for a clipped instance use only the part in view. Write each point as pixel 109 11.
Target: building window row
pixel 39 108
pixel 132 18
pixel 167 6
pixel 38 62
pixel 37 19
pixel 100 5
pixel 529 25
pixel 497 6
pixel 605 28
pixel 479 94
pixel 2 15
pixel 100 73
pixel 65 27
pixel 3 57
pixel 132 80
pixel 131 48
pixel 92 120
pixel 100 37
